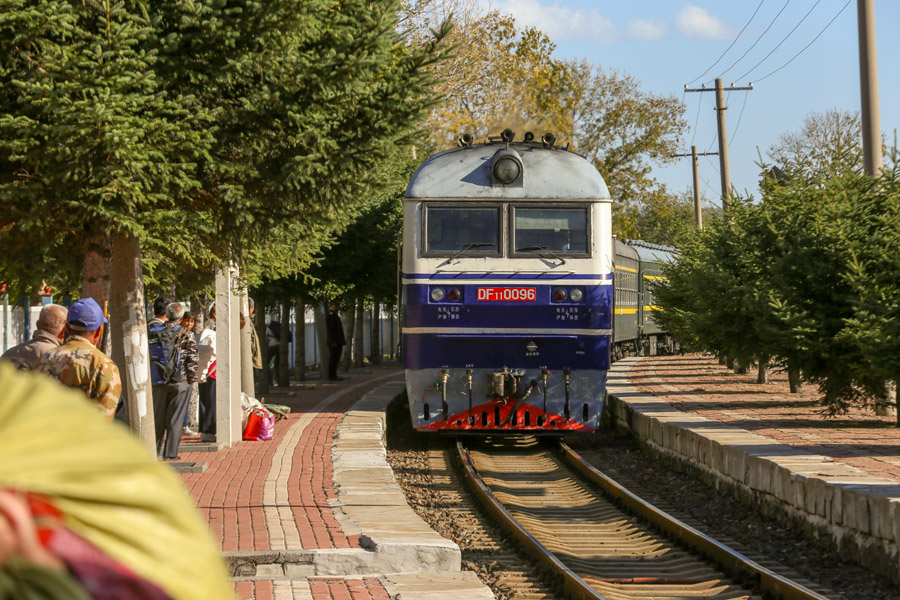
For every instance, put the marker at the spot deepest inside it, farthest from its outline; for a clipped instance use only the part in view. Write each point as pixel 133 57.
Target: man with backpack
pixel 173 369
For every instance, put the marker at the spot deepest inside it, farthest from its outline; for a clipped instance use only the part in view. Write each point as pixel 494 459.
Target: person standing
pixel 49 335
pixel 159 312
pixel 255 351
pixel 273 356
pixel 78 363
pixel 187 323
pixel 336 341
pixel 174 361
pixel 206 347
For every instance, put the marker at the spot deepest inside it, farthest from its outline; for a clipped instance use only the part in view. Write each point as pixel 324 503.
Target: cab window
pixel 559 230
pixel 463 230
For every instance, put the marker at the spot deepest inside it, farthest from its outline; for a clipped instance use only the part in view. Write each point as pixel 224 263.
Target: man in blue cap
pixel 79 363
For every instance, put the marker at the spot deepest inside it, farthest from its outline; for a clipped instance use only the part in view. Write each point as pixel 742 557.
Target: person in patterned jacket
pixel 189 367
pixel 78 363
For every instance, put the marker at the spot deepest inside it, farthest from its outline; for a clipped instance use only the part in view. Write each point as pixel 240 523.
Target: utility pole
pixel 873 161
pixel 695 165
pixel 868 83
pixel 724 166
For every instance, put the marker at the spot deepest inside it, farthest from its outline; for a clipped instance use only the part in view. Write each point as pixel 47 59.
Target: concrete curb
pixel 856 513
pixel 435 586
pixel 371 503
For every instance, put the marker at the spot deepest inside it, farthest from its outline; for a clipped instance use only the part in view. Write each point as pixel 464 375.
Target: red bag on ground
pixel 267 429
pixel 251 431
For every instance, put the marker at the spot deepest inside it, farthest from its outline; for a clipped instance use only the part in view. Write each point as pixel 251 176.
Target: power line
pixel 808 45
pixel 757 39
pixel 711 189
pixel 696 120
pixel 712 141
pixel 732 44
pixel 740 116
pixel 782 41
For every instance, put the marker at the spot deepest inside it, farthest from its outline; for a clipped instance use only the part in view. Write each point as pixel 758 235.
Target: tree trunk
pixel 97 255
pixel 794 380
pixel 892 387
pixel 887 405
pixel 300 340
pixel 762 374
pixel 349 321
pixel 729 363
pixel 128 335
pixel 377 351
pixel 284 347
pixel 740 368
pixel 263 345
pixel 322 340
pixel 197 309
pixel 359 336
pixel 95 281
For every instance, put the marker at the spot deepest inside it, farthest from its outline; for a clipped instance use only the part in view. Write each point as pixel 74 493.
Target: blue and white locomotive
pixel 507 277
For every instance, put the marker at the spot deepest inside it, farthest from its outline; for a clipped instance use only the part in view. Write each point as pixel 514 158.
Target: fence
pixel 13 331
pixel 389 336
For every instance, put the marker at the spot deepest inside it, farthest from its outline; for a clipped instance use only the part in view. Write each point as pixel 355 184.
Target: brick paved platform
pixel 317 588
pixel 315 513
pixel 401 586
pixel 279 490
pixel 838 478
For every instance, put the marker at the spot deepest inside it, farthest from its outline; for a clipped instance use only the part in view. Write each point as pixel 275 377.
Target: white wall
pixel 14 333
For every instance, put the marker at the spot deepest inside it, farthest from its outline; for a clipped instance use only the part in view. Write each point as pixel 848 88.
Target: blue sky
pixel 666 44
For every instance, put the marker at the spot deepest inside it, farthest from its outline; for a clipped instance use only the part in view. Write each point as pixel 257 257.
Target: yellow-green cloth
pixel 110 489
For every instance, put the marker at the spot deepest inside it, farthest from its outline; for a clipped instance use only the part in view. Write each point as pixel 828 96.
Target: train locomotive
pixel 508 291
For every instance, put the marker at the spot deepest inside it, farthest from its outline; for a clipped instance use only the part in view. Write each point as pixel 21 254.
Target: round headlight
pixel 506 170
pixel 437 294
pixel 453 295
pixel 559 294
pixel 576 295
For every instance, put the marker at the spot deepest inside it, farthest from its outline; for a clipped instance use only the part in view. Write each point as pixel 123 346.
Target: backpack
pixel 164 353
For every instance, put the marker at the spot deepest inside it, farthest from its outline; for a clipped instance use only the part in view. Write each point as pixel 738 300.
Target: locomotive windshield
pixel 562 230
pixel 462 230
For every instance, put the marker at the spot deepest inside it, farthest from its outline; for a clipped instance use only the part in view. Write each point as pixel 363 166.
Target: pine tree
pixel 241 131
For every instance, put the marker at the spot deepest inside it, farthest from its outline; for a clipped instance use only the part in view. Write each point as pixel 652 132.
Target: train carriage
pixel 626 311
pixel 652 257
pixel 507 289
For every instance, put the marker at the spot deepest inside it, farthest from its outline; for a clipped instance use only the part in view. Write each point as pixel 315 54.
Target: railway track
pixel 601 540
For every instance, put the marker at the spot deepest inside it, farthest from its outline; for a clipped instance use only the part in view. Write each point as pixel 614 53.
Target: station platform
pixel 316 513
pixel 837 479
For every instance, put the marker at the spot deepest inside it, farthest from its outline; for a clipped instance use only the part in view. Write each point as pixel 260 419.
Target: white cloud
pixel 559 22
pixel 695 22
pixel 647 30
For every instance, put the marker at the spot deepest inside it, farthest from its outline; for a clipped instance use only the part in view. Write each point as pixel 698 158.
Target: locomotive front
pixel 507 289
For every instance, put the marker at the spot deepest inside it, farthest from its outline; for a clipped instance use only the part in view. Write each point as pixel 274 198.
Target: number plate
pixel 506 294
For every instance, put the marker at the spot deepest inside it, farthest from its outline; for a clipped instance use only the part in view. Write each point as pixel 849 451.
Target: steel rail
pixel 572 584
pixel 729 559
